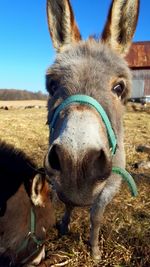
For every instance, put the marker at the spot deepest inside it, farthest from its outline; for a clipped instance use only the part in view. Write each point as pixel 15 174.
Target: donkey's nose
pixel 98 164
pixel 54 157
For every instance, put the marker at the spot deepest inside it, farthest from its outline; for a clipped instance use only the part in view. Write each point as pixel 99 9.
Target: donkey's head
pixel 79 155
pixel 26 210
pixel 25 223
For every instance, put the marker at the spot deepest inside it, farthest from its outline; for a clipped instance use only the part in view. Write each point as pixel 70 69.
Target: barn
pixel 139 62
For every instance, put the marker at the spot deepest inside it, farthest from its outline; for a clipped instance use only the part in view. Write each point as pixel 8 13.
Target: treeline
pixel 14 94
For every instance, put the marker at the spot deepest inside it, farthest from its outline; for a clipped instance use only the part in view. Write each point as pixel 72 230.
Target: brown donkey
pixel 26 212
pixel 79 161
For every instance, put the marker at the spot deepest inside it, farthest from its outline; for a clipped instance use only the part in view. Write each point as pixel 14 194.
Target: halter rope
pixel 90 101
pixel 31 235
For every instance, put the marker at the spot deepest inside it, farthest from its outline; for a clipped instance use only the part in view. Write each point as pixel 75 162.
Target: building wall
pixel 147 87
pixel 141 82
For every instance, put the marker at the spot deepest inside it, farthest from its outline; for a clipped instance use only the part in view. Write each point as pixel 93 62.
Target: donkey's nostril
pixel 99 160
pixel 53 158
pixel 100 164
pixel 102 159
pixel 104 164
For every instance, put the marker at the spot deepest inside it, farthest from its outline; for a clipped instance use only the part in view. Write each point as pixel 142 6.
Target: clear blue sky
pixel 25 47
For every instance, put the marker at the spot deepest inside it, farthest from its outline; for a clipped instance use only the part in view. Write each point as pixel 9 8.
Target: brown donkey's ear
pixel 39 189
pixel 61 23
pixel 121 24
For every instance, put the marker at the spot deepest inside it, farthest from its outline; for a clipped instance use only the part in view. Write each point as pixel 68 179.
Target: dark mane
pixel 15 168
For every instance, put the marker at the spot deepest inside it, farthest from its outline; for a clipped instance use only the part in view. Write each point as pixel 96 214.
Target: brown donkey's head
pixel 19 243
pixel 79 155
pixel 27 212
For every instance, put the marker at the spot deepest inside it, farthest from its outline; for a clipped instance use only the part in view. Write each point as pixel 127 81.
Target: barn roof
pixel 139 55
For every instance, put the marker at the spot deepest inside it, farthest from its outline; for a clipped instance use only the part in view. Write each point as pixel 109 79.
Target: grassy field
pixel 125 233
pixel 22 103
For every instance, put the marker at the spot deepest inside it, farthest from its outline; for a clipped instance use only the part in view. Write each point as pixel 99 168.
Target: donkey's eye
pixel 119 88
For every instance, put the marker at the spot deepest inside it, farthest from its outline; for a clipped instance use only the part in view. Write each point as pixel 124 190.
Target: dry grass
pixel 125 234
pixel 22 103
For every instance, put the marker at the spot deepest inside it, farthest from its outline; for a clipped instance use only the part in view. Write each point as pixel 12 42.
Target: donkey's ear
pixel 62 26
pixel 38 190
pixel 121 24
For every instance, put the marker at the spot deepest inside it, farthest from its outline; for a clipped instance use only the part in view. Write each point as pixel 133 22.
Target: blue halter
pixel 90 101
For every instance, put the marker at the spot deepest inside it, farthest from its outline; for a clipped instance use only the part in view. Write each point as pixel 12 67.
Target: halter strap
pixel 31 235
pixel 89 101
pixel 127 178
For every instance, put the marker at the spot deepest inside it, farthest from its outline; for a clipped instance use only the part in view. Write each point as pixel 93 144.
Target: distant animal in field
pixel 88 82
pixel 5 108
pixel 26 211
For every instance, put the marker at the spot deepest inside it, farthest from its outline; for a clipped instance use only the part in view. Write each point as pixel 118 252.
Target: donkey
pixel 79 161
pixel 26 209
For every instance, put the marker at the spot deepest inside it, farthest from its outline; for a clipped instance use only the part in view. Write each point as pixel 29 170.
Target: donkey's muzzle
pixel 93 164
